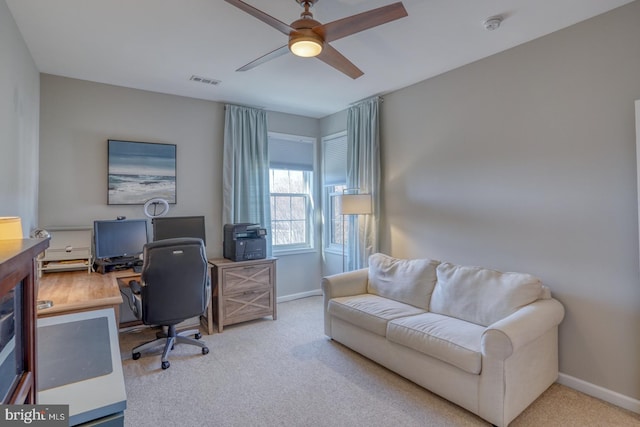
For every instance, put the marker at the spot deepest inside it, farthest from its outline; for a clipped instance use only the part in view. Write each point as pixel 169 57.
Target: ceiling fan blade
pixel 331 56
pixel 257 13
pixel 264 58
pixel 353 24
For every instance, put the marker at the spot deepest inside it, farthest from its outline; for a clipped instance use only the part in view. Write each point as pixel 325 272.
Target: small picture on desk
pixel 139 171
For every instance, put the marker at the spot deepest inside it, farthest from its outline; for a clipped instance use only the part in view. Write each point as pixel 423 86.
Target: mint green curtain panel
pixel 245 179
pixel 363 174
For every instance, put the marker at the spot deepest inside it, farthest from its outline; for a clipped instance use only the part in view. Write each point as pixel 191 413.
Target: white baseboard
pixel 602 393
pixel 317 292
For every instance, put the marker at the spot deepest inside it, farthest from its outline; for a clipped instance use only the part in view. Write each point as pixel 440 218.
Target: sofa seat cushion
pixel 448 339
pixel 370 312
pixel 410 281
pixel 480 295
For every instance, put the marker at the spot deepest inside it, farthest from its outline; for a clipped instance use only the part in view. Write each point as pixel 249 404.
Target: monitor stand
pixel 107 265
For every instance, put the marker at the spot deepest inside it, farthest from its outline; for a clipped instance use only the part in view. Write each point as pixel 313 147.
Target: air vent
pixel 205 80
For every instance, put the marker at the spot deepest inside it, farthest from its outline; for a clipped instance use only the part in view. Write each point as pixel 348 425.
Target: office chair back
pixel 175 280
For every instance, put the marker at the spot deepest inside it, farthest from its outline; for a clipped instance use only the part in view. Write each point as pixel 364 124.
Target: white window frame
pixel 310 179
pixel 331 246
pixel 308 244
pixel 327 206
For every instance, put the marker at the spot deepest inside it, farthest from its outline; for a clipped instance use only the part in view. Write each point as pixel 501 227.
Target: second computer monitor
pixel 178 226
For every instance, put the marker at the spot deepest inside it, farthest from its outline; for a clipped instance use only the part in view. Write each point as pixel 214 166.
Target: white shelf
pixel 69 249
pixel 47 266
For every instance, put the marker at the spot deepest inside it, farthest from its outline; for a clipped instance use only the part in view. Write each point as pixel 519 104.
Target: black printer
pixel 244 241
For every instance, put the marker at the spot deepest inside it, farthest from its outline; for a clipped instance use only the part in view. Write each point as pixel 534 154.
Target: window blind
pixel 335 160
pixel 291 155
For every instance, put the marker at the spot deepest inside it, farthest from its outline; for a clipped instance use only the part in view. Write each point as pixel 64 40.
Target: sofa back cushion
pixel 480 295
pixel 407 281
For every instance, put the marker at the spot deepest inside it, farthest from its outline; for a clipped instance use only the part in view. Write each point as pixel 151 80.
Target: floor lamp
pixel 353 204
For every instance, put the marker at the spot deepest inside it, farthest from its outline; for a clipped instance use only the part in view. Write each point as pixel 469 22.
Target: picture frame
pixel 140 171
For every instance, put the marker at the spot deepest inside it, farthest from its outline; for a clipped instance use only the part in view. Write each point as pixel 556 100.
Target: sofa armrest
pixel 345 284
pixel 504 337
pixel 342 285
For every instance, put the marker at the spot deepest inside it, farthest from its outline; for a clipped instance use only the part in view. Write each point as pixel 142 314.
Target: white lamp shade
pixel 355 204
pixel 10 228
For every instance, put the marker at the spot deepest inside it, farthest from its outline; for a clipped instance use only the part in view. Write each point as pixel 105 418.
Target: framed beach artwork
pixel 139 171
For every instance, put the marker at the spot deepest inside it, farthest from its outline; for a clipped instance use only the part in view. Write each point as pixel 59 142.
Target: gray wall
pixel 19 121
pixel 525 161
pixel 77 119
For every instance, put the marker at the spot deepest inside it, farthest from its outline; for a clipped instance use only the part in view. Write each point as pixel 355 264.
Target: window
pixel 334 152
pixel 291 191
pixel 290 208
pixel 338 229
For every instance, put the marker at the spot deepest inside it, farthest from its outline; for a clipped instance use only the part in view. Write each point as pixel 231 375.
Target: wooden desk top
pixel 78 290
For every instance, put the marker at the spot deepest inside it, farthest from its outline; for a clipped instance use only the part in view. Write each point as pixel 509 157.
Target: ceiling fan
pixel 309 38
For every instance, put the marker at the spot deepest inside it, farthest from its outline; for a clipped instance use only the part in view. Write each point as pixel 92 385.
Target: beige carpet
pixel 287 373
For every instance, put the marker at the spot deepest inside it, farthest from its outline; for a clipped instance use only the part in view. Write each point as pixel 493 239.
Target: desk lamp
pixel 10 228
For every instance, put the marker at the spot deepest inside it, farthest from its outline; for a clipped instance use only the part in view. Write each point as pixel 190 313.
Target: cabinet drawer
pixel 242 291
pixel 247 278
pixel 247 306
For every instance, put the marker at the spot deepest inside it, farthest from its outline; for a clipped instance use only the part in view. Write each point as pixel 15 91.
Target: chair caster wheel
pixel 165 365
pixel 198 336
pixel 205 350
pixel 135 356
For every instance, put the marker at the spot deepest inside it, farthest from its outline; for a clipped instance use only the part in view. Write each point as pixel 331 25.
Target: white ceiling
pixel 157 45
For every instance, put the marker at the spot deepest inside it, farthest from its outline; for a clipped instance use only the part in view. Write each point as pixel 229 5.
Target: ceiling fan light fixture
pixel 305 45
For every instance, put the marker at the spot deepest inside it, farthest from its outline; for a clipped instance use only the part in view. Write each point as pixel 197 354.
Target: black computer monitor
pixel 178 226
pixel 116 239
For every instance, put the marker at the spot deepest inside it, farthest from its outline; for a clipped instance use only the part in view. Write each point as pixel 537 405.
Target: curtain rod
pixel 241 105
pixel 379 97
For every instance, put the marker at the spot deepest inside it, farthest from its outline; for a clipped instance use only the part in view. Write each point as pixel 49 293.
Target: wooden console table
pixel 242 291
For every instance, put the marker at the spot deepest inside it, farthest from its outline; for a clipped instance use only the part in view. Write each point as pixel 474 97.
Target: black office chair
pixel 174 286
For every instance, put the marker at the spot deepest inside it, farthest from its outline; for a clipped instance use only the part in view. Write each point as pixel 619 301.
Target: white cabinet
pixel 69 249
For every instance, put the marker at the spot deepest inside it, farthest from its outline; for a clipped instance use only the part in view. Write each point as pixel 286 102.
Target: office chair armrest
pixel 134 300
pixel 135 287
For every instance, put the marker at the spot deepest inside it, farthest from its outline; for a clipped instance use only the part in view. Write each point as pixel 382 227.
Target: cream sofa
pixel 485 340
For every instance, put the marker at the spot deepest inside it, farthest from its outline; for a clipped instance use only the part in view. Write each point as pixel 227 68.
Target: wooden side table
pixel 242 291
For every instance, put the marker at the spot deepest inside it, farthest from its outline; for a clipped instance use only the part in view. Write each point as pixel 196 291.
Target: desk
pixel 77 291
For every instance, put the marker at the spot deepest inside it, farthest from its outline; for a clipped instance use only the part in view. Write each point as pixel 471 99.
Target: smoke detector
pixel 493 23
